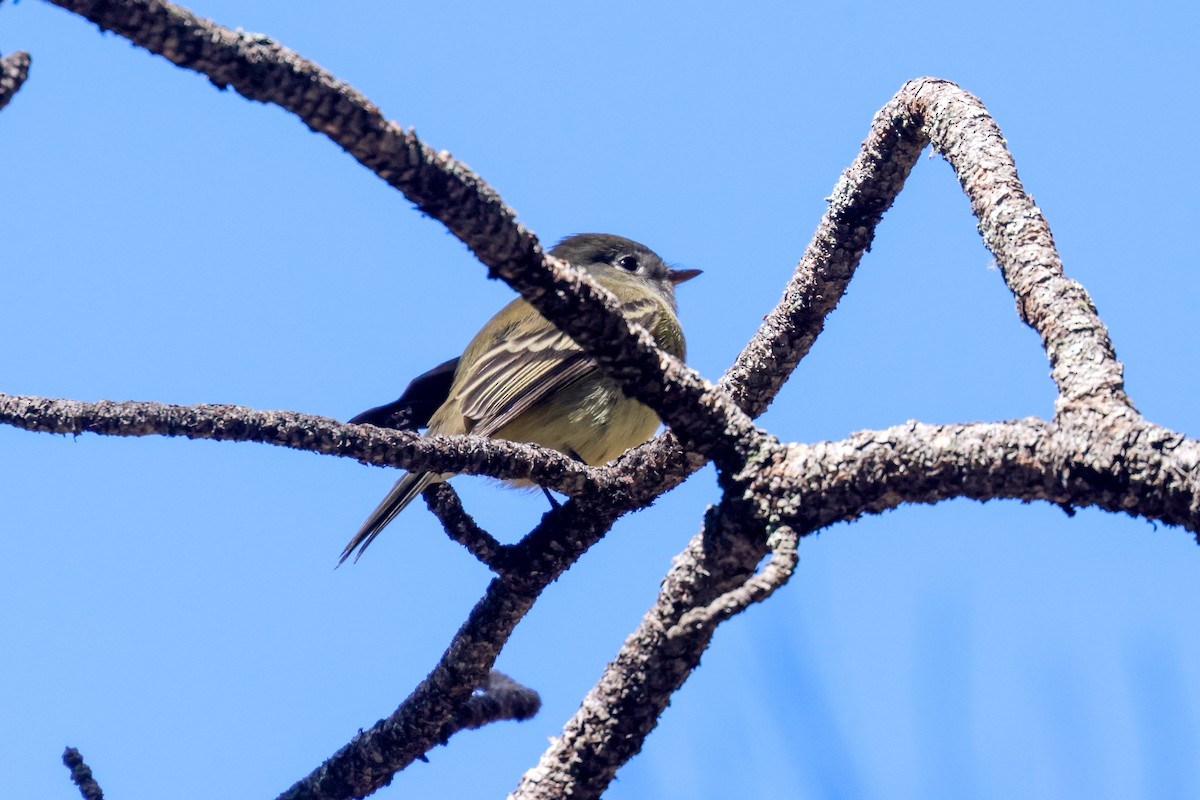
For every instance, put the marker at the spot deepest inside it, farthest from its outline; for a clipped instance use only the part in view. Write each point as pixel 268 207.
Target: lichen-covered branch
pixel 864 192
pixel 1013 228
pixel 14 69
pixel 1097 452
pixel 366 443
pixel 782 544
pixel 370 760
pixel 934 111
pixel 813 487
pixel 624 706
pixel 1156 476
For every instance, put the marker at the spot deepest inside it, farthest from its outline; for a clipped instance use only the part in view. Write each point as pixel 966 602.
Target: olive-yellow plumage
pixel 523 380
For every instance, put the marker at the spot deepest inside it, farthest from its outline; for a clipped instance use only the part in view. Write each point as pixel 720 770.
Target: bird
pixel 524 380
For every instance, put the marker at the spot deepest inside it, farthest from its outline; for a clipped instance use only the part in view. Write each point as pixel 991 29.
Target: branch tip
pixel 461 527
pixel 14 70
pixel 81 774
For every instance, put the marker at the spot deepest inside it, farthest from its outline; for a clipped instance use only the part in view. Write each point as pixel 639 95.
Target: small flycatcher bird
pixel 524 380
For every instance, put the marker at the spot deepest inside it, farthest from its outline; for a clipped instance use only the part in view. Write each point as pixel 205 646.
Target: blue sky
pixel 170 607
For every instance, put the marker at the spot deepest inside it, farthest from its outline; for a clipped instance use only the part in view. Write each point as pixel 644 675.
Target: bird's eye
pixel 628 263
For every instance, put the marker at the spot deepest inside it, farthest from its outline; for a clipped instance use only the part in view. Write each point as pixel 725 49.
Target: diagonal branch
pixel 14 69
pixel 864 192
pixel 81 774
pixel 374 756
pixel 624 706
pixel 262 70
pixel 1084 365
pixel 370 760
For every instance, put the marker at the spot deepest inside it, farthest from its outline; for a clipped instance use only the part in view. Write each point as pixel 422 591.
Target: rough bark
pixel 1096 451
pixel 14 69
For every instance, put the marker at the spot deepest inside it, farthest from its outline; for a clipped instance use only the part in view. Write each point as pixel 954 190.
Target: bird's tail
pixel 403 493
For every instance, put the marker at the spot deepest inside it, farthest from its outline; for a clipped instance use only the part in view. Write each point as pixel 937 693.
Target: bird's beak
pixel 679 276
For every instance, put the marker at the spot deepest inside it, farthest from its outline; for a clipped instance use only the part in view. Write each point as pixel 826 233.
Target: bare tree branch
pixel 864 192
pixel 500 698
pixel 1157 476
pixel 81 774
pixel 14 69
pixel 1013 228
pixel 757 588
pixel 934 111
pixel 374 756
pixel 623 707
pixel 1109 458
pixel 470 455
pixel 813 487
pixel 461 527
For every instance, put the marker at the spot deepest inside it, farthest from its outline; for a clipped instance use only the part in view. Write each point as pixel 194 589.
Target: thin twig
pixel 757 588
pixel 445 504
pixel 500 698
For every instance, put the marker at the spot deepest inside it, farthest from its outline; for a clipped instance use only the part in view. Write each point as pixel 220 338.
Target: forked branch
pixel 1098 451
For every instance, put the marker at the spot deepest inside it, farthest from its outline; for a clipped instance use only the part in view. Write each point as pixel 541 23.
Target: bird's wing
pixel 540 366
pixel 506 381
